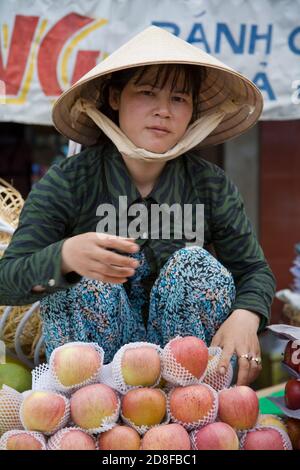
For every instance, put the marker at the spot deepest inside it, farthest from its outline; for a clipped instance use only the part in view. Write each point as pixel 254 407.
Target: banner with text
pixel 45 46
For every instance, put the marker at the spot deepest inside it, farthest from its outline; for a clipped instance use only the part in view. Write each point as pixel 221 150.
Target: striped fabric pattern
pixel 64 203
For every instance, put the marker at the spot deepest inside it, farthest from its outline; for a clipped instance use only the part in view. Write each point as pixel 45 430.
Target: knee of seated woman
pixel 192 252
pixel 194 256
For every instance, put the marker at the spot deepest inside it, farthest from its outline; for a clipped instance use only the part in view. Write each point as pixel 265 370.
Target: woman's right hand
pixel 89 255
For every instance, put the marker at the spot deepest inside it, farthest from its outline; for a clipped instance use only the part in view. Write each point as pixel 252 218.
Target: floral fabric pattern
pixel 192 295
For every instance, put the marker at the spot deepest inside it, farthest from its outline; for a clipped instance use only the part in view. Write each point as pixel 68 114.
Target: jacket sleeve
pixel 33 256
pixel 238 250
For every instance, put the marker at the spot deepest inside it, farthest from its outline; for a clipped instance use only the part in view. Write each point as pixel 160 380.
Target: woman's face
pixel 154 119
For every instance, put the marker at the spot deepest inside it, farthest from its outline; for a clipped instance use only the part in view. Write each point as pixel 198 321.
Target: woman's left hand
pixel 238 334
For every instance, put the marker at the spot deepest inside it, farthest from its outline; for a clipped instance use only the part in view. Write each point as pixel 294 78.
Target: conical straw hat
pixel 156 46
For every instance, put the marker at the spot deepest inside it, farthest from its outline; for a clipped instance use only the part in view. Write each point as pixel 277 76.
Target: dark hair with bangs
pixel 193 77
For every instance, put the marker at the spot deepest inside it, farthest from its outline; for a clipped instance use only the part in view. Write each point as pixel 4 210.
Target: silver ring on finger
pixel 245 356
pixel 257 360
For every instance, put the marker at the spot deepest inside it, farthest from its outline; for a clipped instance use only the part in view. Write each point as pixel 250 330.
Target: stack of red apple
pixel 153 414
pixel 292 391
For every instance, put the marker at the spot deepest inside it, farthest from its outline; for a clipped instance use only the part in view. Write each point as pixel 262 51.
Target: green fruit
pixel 15 376
pixel 12 360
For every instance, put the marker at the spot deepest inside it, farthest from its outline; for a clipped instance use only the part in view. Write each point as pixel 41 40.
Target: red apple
pixel 292 355
pixel 216 436
pixel 120 438
pixel 141 366
pixel 191 353
pixel 144 406
pixel 292 394
pixel 25 440
pixel 166 437
pixel 293 429
pixel 238 407
pixel 264 439
pixel 71 439
pixel 92 405
pixel 75 363
pixel 44 411
pixel 191 404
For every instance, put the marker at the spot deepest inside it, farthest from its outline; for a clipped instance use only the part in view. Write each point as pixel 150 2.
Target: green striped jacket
pixel 64 203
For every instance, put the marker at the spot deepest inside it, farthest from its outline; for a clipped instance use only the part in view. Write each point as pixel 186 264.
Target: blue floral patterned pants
pixel 192 295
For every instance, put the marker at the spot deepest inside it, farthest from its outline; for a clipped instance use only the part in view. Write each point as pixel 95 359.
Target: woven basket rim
pixel 11 204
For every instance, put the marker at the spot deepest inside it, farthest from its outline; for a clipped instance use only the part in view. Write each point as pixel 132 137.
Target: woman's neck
pixel 144 174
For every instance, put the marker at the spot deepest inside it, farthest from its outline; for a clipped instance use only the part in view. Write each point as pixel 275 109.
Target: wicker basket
pixel 11 203
pixel 292 314
pixel 20 326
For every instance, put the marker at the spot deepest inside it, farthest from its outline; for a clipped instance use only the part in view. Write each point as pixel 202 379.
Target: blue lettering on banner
pixel 254 37
pixel 223 30
pixel 262 82
pixel 197 35
pixel 292 38
pixel 237 43
pixel 172 27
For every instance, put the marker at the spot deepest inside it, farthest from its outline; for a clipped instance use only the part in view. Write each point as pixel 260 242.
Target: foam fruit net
pixel 54 381
pixel 54 443
pixel 193 437
pixel 10 403
pixel 174 372
pixel 41 379
pixel 210 417
pixel 212 376
pixel 143 429
pixel 63 421
pixel 37 435
pixel 287 445
pixel 107 423
pixel 116 371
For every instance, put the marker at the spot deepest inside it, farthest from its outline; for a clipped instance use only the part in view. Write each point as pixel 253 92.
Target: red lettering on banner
pixel 85 61
pixel 22 36
pixel 51 47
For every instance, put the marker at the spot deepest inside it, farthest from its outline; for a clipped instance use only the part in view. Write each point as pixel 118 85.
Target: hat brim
pixel 221 83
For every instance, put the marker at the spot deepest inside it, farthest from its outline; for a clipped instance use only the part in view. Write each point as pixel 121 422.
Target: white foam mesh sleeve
pixel 54 442
pixel 174 372
pixel 10 403
pixel 37 435
pixel 107 423
pixel 287 445
pixel 212 377
pixel 54 380
pixel 116 367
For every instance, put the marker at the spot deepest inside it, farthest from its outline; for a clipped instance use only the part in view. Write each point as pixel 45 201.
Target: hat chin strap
pixel 194 134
